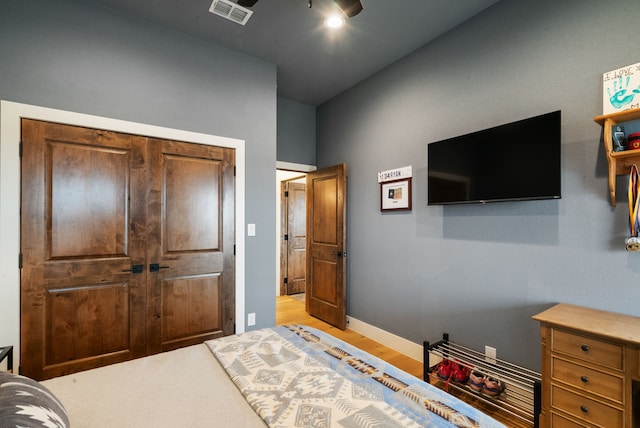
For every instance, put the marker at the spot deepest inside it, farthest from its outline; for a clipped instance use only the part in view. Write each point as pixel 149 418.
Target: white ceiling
pixel 313 63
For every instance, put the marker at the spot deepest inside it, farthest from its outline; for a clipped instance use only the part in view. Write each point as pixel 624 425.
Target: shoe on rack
pixel 460 373
pixel 444 369
pixel 493 387
pixel 476 381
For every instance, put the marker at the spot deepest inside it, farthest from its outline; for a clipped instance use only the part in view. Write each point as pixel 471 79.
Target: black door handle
pixel 155 267
pixel 135 269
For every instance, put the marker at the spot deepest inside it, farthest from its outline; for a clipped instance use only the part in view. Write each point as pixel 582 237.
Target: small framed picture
pixel 395 195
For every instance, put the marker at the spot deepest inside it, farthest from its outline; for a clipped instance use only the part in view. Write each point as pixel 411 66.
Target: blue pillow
pixel 29 404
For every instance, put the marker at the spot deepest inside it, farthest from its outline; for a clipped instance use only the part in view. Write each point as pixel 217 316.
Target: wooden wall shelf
pixel 619 162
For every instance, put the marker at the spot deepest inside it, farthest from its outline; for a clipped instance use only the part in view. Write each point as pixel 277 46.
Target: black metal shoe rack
pixel 521 397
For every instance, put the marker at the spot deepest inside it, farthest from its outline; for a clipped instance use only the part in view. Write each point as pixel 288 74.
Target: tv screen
pixel 515 161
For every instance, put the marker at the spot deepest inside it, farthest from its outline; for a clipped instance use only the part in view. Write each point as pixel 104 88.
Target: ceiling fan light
pixel 334 21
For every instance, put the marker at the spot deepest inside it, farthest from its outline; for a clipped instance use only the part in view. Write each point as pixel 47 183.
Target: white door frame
pixel 10 115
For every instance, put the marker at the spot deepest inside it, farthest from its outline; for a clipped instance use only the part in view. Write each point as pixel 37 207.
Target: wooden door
pixel 190 244
pixel 83 225
pixel 293 267
pixel 93 212
pixel 326 245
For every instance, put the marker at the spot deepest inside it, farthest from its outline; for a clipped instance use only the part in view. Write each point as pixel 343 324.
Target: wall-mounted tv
pixel 514 161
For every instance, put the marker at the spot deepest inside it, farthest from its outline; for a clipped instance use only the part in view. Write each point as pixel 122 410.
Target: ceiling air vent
pixel 230 11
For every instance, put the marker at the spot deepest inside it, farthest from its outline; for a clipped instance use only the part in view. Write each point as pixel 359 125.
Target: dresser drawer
pixel 588 349
pixel 593 381
pixel 586 409
pixel 558 421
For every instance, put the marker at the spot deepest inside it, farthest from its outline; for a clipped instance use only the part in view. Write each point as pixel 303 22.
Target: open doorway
pixel 290 233
pixel 293 232
pixel 320 232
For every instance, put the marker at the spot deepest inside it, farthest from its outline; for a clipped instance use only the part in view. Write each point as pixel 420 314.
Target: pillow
pixel 29 404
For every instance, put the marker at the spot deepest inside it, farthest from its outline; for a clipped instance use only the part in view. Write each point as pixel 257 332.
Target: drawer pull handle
pixel 585 379
pixel 585 348
pixel 584 409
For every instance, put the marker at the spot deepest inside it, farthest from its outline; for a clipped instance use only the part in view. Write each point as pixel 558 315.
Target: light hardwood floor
pixel 291 311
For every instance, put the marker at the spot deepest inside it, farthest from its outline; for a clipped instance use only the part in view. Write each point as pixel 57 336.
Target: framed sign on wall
pixel 395 195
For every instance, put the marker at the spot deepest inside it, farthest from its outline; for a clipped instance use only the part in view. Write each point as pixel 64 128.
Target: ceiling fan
pixel 240 13
pixel 350 7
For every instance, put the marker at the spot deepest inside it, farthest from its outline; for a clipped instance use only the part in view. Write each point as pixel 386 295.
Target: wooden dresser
pixel 590 368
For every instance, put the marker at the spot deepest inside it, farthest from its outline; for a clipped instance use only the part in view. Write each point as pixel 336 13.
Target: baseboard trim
pixel 390 340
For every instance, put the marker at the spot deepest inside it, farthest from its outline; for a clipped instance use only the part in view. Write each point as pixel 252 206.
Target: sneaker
pixel 460 373
pixel 493 387
pixel 444 369
pixel 476 381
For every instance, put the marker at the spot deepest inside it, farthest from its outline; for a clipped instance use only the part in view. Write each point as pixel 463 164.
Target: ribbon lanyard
pixel 634 198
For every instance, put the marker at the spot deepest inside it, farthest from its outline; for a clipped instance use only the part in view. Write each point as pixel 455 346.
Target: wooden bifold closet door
pixel 127 246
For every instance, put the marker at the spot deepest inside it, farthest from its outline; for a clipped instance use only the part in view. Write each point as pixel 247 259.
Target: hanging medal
pixel 633 242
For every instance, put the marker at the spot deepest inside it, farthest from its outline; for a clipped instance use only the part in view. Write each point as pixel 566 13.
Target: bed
pixel 281 376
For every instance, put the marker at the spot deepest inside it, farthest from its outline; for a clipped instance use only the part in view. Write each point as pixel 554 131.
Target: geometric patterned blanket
pixel 298 376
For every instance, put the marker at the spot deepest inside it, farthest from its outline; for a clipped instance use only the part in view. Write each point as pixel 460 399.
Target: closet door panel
pixel 190 245
pixel 191 305
pixel 81 306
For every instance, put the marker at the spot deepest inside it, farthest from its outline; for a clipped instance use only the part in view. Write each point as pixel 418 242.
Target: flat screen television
pixel 514 161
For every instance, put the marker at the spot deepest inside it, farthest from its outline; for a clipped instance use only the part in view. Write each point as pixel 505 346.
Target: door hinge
pixel 234 328
pixel 234 171
pixel 286 237
pixel 286 280
pixel 20 261
pixel 20 149
pixel 234 249
pixel 286 194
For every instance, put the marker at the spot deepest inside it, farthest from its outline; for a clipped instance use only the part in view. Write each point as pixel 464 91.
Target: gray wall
pixel 480 272
pixel 74 56
pixel 296 132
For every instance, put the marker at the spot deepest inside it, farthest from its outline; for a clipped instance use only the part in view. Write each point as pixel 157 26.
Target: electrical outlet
pixel 251 319
pixel 490 354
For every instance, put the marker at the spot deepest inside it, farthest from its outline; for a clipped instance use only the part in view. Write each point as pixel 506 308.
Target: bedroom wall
pixel 480 272
pixel 75 56
pixel 296 132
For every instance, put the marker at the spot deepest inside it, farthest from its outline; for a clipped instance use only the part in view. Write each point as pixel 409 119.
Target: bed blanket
pixel 297 376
